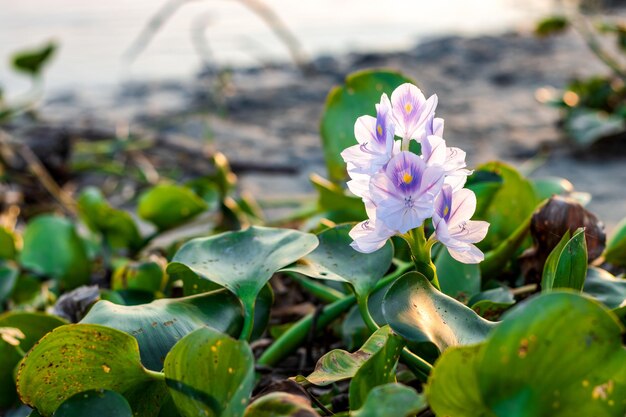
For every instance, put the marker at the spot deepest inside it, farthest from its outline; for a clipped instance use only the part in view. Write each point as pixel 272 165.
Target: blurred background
pixel 123 95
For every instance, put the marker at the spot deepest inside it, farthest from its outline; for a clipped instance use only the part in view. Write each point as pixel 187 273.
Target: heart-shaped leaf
pixel 558 354
pixel 33 327
pixel 605 287
pixel 458 280
pixel 161 324
pixel 81 357
pixel 244 261
pixel 52 248
pixel 510 205
pixel 418 312
pixel 391 400
pixel 338 365
pixel 566 266
pixel 336 260
pixel 280 404
pixel 168 205
pixel 95 403
pixel 357 97
pixel 210 374
pixel 116 226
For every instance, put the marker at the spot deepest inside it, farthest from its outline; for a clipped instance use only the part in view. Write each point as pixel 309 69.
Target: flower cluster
pixel 401 189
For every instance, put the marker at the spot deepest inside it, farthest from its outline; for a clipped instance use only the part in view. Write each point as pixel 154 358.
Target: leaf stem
pixel 319 290
pixel 248 319
pixel 420 253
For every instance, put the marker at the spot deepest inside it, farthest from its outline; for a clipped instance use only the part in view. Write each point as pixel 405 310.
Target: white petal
pixel 463 207
pixel 473 231
pixel 365 129
pixel 471 255
pixel 368 237
pixel 434 150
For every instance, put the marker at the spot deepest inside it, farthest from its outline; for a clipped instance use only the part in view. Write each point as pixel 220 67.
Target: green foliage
pixel 53 249
pixel 169 205
pixel 280 404
pixel 458 280
pixel 615 251
pixel 7 244
pixel 343 105
pixel 566 266
pixel 32 61
pixel 391 400
pixel 210 374
pixel 95 403
pixel 551 25
pixel 562 356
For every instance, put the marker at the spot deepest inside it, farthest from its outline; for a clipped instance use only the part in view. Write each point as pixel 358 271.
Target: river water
pixel 94 34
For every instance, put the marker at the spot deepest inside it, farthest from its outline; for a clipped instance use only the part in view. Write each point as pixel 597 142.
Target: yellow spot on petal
pixel 379 129
pixel 106 369
pixel 408 107
pixel 407 178
pixel 446 210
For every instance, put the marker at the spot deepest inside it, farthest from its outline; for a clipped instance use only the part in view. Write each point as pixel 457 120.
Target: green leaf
pixel 615 251
pixel 336 203
pixel 7 244
pixel 334 259
pixel 116 226
pixel 557 355
pixel 550 186
pixel 32 61
pixel 161 324
pixel 421 314
pixel 379 369
pixel 8 279
pixel 280 404
pixel 585 126
pixel 34 326
pixel 53 248
pixel 338 365
pixel 210 374
pixel 566 266
pixel 95 403
pixel 81 357
pixel 458 280
pixel 510 205
pixel 244 261
pixel 551 25
pixel 604 287
pixel 357 97
pixel 168 205
pixel 391 400
pixel 145 276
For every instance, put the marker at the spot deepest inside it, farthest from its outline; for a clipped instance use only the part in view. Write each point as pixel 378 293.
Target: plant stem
pixel 420 253
pixel 248 319
pixel 297 334
pixel 319 290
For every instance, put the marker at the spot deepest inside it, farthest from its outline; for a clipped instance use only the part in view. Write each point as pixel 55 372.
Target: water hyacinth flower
pixel 453 226
pixel 402 190
pixel 375 137
pixel 411 111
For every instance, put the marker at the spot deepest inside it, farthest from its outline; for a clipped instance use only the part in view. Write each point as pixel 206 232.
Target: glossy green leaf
pixel 8 279
pixel 559 354
pixel 280 404
pixel 458 280
pixel 510 205
pixel 550 186
pixel 95 403
pixel 244 261
pixel 605 287
pixel 143 275
pixel 33 326
pixel 81 357
pixel 421 314
pixel 7 244
pixel 334 259
pixel 335 202
pixel 357 97
pixel 168 205
pixel 615 251
pixel 161 324
pixel 391 400
pixel 492 303
pixel 210 374
pixel 379 369
pixel 53 248
pixel 338 365
pixel 566 266
pixel 116 226
pixel 32 61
